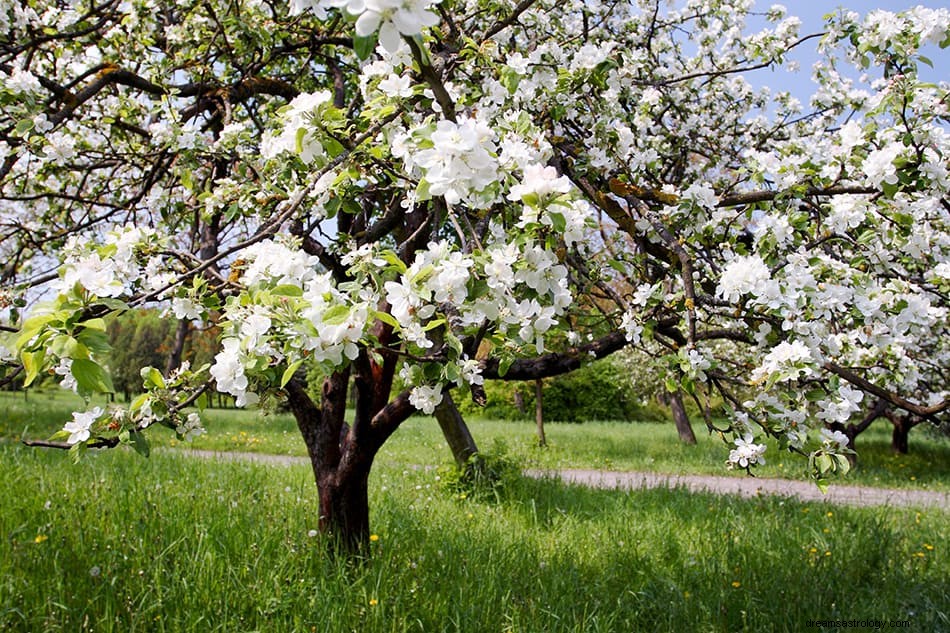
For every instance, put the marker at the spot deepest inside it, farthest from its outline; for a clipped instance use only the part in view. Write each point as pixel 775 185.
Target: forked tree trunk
pixel 342 455
pixel 680 419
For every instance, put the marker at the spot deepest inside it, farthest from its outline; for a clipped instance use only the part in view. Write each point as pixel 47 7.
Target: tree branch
pixel 555 363
pixel 880 392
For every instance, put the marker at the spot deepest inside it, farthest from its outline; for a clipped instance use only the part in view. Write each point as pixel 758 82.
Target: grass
pixel 121 543
pixel 598 445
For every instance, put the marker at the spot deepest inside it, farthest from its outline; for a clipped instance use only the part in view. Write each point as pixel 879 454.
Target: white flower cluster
pixel 109 270
pixel 509 272
pixel 392 18
pixel 190 427
pixel 297 134
pixel 543 193
pixel 79 427
pixel 317 319
pixel 746 453
pixel 743 275
pixel 457 160
pixel 426 398
pixel 786 361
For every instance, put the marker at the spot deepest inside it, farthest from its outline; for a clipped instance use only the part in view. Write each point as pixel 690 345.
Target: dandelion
pixel 312 533
pixel 40 538
pixel 928 547
pixel 736 584
pixel 373 602
pixel 373 538
pixel 95 571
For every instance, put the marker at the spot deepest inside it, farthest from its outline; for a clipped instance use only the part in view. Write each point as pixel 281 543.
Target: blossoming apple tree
pixel 466 190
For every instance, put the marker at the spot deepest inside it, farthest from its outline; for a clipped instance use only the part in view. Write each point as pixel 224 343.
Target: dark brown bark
pixel 455 431
pixel 900 441
pixel 341 455
pixel 556 363
pixel 680 419
pixel 539 412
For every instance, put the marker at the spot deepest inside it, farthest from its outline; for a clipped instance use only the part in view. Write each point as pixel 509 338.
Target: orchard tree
pixel 443 191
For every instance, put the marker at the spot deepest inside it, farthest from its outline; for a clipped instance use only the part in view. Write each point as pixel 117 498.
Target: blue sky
pixel 811 13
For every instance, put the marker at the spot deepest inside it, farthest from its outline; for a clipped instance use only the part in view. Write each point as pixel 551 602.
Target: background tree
pixel 490 178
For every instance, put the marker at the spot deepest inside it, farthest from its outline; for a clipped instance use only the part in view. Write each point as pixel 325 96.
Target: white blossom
pixel 79 427
pixel 426 398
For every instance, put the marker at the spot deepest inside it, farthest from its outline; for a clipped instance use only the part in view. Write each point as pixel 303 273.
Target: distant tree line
pixel 148 337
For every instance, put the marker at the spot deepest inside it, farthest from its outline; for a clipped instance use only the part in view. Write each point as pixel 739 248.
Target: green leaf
pixel 843 464
pixel 333 147
pixel 336 315
pixel 387 318
pixel 364 46
pixel 139 443
pixel 23 127
pixel 95 341
pixel 531 199
pixel 32 361
pixel 393 258
pixel 822 485
pixel 155 378
pixel 510 79
pixel 32 327
pixel 90 377
pixel 824 463
pixel 434 323
pixel 287 290
pixel 94 324
pixel 139 401
pixel 558 221
pixel 289 372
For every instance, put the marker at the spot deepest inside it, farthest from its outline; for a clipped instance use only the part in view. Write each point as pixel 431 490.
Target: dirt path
pixel 746 487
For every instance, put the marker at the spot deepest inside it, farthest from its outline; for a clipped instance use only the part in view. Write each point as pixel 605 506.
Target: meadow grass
pixel 628 446
pixel 121 543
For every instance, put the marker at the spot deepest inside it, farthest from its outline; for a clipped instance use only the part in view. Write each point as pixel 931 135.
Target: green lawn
pixel 606 445
pixel 121 543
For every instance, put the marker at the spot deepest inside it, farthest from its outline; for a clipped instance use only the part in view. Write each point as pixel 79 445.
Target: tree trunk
pixel 539 413
pixel 455 431
pixel 680 419
pixel 342 455
pixel 900 443
pixel 899 436
pixel 344 508
pixel 174 356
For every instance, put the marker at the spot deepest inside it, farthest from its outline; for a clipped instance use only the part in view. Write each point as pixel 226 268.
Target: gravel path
pixel 746 487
